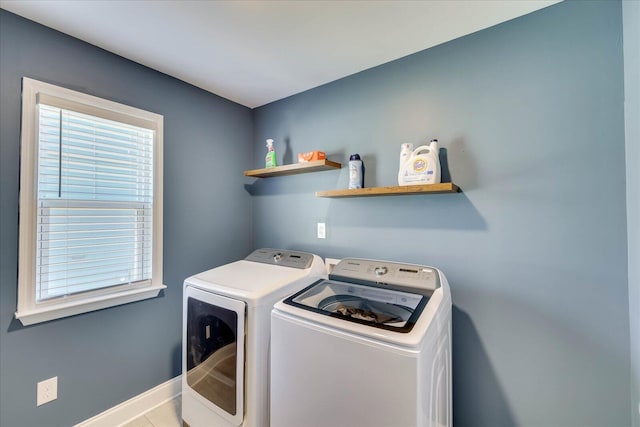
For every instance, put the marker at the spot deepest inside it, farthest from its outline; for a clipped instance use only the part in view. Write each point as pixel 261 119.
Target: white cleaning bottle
pixel 405 151
pixel 356 172
pixel 422 166
pixel 270 159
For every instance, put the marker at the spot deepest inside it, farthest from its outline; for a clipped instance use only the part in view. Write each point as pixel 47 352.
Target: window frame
pixel 28 310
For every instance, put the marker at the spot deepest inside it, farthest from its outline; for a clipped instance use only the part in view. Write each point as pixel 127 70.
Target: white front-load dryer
pixel 226 328
pixel 369 346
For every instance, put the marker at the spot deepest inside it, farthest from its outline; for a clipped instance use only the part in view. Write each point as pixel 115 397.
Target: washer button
pixel 381 271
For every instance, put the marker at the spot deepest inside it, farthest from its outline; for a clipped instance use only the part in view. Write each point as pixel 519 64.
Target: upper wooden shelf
pixel 445 187
pixel 294 169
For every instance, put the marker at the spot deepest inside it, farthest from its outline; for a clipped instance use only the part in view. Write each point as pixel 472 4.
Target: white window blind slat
pixel 97 253
pixel 87 243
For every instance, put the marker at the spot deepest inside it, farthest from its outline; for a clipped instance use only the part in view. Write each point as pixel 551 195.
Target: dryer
pixel 369 346
pixel 225 341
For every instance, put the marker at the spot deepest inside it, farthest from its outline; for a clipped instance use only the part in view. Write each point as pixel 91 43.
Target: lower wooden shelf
pixel 445 187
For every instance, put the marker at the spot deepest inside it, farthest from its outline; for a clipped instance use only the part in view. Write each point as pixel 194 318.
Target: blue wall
pixel 105 357
pixel 530 115
pixel 631 21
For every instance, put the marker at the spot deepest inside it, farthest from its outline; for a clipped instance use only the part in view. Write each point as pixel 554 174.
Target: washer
pixel 225 341
pixel 370 346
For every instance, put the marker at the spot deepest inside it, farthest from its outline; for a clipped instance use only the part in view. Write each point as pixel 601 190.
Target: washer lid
pixel 378 307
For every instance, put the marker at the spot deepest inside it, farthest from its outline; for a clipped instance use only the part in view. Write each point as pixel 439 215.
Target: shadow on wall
pixel 465 172
pixel 288 153
pixel 277 186
pixel 432 212
pixel 16 325
pixel 472 371
pixel 176 358
pixel 445 174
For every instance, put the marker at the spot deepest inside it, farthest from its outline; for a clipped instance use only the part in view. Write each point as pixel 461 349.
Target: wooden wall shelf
pixel 445 187
pixel 294 169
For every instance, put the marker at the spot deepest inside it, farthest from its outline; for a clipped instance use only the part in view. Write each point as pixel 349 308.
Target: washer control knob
pixel 277 257
pixel 380 271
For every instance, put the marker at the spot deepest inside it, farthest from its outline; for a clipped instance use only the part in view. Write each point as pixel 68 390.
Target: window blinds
pixel 94 199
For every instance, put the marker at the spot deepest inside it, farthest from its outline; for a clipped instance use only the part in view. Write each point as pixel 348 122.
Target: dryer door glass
pixel 214 357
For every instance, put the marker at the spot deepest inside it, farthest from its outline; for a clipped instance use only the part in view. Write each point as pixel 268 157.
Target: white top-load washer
pixel 226 327
pixel 370 346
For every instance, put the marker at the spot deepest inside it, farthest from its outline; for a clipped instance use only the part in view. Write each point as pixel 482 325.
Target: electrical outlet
pixel 47 391
pixel 322 230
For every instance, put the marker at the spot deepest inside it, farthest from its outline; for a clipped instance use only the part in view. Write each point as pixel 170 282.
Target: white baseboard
pixel 136 406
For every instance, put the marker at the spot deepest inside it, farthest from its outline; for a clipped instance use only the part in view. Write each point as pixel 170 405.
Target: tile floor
pixel 165 415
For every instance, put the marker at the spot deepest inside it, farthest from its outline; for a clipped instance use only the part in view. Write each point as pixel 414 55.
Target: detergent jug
pixel 422 166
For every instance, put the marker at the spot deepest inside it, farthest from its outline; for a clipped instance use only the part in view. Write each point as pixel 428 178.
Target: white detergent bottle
pixel 422 166
pixel 356 172
pixel 405 152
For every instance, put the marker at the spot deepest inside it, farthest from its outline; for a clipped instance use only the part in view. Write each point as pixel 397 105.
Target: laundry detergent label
pixel 419 165
pixel 418 172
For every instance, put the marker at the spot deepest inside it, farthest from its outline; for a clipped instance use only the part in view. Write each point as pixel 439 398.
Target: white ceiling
pixel 256 52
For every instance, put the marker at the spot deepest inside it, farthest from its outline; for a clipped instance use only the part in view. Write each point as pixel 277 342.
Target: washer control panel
pixel 386 273
pixel 293 259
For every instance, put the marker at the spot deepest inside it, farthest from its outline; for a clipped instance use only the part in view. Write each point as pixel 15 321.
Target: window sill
pixel 44 314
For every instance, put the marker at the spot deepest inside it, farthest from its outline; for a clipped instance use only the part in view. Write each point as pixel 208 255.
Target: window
pixel 90 204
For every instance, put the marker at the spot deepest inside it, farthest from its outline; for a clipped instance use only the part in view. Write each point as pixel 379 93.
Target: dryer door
pixel 213 351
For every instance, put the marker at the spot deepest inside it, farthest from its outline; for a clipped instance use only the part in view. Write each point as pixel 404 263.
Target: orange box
pixel 310 156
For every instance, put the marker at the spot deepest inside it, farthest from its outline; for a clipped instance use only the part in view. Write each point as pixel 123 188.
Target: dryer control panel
pixel 293 259
pixel 386 273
